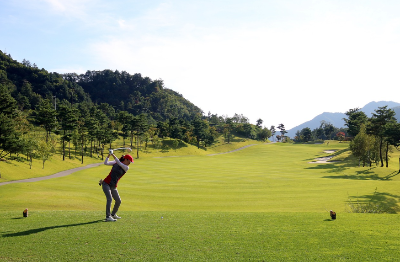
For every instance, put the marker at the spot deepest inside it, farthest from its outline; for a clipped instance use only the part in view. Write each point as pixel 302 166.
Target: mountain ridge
pixel 336 119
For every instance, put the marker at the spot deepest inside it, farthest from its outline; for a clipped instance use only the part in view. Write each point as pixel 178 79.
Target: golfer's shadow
pixel 37 230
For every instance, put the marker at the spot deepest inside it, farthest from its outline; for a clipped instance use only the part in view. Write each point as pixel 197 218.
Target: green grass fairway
pixel 198 236
pixel 262 203
pixel 260 178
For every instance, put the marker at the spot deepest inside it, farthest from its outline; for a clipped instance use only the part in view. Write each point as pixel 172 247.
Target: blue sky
pixel 281 61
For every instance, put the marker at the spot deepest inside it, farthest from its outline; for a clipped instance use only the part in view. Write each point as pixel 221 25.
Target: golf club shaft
pixel 122 148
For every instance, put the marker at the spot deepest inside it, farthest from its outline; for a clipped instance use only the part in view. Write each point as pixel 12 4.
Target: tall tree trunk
pixel 387 154
pixel 137 147
pixel 63 149
pixel 380 151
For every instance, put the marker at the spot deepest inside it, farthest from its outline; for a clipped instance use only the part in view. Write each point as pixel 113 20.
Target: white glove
pixel 110 151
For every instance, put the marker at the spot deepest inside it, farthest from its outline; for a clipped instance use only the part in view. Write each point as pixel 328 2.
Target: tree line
pixel 326 131
pixel 372 140
pixel 91 130
pixel 92 110
pixel 374 137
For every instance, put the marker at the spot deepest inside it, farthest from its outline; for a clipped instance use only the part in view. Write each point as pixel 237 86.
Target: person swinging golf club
pixel 109 184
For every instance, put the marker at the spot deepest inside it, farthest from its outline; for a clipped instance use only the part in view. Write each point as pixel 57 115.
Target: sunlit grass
pixel 265 202
pixel 198 236
pixel 18 167
pixel 260 178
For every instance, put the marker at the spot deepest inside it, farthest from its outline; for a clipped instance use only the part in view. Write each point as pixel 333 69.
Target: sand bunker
pixel 324 160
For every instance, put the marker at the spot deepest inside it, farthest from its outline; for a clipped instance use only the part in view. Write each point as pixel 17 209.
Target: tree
pixel 8 105
pixel 199 130
pixel 46 116
pixel 264 134
pixel 378 123
pixel 306 134
pixel 12 122
pixel 341 136
pixel 92 126
pixel 125 119
pixel 46 148
pixel 210 135
pixel 240 119
pixel 259 123
pixel 319 133
pixel 273 131
pixel 328 130
pixel 283 131
pixel 156 142
pixel 392 134
pixel 105 133
pixel 81 136
pixel 363 146
pixel 175 144
pixel 246 130
pixel 174 127
pixel 354 121
pixel 10 138
pixel 162 129
pixel 228 127
pixel 139 126
pixel 31 149
pixel 68 118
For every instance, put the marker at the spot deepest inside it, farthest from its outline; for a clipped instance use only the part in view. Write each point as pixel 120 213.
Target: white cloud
pixel 72 8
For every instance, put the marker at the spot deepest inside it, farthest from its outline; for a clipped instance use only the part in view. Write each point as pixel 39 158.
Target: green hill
pixel 119 90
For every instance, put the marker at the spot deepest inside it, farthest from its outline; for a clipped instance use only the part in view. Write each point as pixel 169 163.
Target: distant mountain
pixel 336 119
pixel 370 108
pixel 397 110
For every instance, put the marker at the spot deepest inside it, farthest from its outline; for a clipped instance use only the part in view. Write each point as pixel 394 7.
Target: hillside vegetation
pixel 43 113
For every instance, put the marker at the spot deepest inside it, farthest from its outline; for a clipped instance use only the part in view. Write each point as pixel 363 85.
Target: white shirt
pixel 116 160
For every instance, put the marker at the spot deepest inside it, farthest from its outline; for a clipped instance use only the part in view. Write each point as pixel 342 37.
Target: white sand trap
pixel 324 160
pixel 321 160
pixel 329 151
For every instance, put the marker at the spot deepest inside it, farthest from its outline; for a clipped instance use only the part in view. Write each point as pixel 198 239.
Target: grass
pixel 198 236
pixel 261 178
pixel 17 167
pixel 263 203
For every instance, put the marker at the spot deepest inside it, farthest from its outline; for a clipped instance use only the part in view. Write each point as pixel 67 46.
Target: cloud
pixel 57 5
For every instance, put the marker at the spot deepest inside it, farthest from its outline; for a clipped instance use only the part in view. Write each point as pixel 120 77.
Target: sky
pixel 283 61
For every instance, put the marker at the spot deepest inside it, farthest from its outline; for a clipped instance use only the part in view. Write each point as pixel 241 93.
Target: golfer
pixel 109 184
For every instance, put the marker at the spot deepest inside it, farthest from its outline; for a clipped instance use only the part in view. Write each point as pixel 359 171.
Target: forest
pixel 40 109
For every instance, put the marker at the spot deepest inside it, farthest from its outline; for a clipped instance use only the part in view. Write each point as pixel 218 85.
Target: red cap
pixel 129 157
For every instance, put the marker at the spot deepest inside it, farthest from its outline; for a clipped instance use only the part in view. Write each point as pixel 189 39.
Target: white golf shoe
pixel 115 217
pixel 110 219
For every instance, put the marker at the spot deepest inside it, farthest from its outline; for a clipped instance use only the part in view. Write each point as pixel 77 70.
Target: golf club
pixel 122 148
